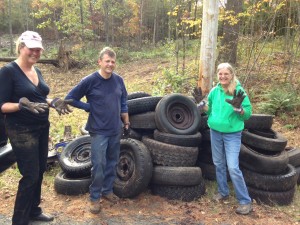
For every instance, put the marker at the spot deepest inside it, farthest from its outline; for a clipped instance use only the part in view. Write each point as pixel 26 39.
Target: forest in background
pixel 260 37
pixel 138 23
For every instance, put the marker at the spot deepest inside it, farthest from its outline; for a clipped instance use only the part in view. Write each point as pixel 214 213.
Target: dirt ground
pixel 145 208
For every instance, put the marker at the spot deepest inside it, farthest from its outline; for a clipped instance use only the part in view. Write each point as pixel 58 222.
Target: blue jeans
pixel 104 156
pixel 226 150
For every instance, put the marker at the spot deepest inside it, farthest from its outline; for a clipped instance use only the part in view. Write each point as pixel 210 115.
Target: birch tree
pixel 208 44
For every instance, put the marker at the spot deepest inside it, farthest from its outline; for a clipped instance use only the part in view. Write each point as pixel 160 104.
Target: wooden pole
pixel 208 44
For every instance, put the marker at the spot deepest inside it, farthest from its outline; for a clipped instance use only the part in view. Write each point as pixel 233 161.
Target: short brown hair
pixel 109 51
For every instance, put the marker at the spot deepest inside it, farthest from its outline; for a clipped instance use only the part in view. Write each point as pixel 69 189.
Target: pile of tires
pixel 75 162
pixel 134 169
pixel 173 141
pixel 160 152
pixel 266 165
pixel 270 170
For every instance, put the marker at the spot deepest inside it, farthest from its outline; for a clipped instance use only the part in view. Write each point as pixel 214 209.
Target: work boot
pixel 111 197
pixel 95 207
pixel 244 209
pixel 218 197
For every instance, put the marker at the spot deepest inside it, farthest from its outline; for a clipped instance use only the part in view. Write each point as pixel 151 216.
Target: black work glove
pixel 237 100
pixel 61 106
pixel 126 131
pixel 197 94
pixel 34 107
pixel 199 97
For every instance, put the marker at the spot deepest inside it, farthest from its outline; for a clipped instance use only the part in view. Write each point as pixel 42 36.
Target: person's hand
pixel 34 107
pixel 126 130
pixel 61 106
pixel 197 94
pixel 237 100
pixel 199 97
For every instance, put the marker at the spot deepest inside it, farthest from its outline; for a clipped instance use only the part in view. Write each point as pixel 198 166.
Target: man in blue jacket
pixel 107 106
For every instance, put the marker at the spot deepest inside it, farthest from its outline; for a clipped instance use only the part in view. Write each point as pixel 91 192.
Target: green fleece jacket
pixel 221 116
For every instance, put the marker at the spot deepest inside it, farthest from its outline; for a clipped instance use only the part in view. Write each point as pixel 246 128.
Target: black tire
pixel 206 135
pixel 298 172
pixel 276 144
pixel 170 155
pixel 134 169
pixel 176 176
pixel 259 122
pixel 293 155
pixel 188 140
pixel 3 136
pixel 142 105
pixel 272 198
pixel 177 114
pixel 282 182
pixel 7 157
pixel 205 146
pixel 269 133
pixel 263 163
pixel 208 170
pixel 134 134
pixel 203 122
pixel 137 94
pixel 75 158
pixel 183 193
pixel 71 186
pixel 143 121
pixel 205 154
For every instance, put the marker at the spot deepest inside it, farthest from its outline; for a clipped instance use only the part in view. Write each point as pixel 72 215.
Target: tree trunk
pixel 155 24
pixel 140 23
pixel 10 27
pixel 82 25
pixel 106 23
pixel 231 33
pixel 208 44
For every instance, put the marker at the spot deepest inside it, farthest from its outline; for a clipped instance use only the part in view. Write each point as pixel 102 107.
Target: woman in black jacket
pixel 23 100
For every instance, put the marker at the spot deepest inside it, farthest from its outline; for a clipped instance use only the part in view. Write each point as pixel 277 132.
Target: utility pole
pixel 208 49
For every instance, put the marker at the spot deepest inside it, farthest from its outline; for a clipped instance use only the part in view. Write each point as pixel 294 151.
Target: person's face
pixel 107 64
pixel 30 55
pixel 225 77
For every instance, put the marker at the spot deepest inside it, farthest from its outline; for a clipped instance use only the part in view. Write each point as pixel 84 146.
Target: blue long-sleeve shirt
pixel 106 100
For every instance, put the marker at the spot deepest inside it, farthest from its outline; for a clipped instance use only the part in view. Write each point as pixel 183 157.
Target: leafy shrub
pixel 279 100
pixel 171 82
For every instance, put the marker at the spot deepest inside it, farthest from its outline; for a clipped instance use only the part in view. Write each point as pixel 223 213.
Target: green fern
pixel 279 101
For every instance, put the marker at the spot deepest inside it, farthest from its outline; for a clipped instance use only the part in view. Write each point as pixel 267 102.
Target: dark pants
pixel 30 145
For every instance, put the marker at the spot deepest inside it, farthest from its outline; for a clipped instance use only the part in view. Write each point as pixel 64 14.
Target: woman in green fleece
pixel 228 106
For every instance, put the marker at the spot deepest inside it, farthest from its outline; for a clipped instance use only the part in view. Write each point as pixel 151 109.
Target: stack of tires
pixel 134 169
pixel 269 169
pixel 75 162
pixel 161 152
pixel 174 148
pixel 269 176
